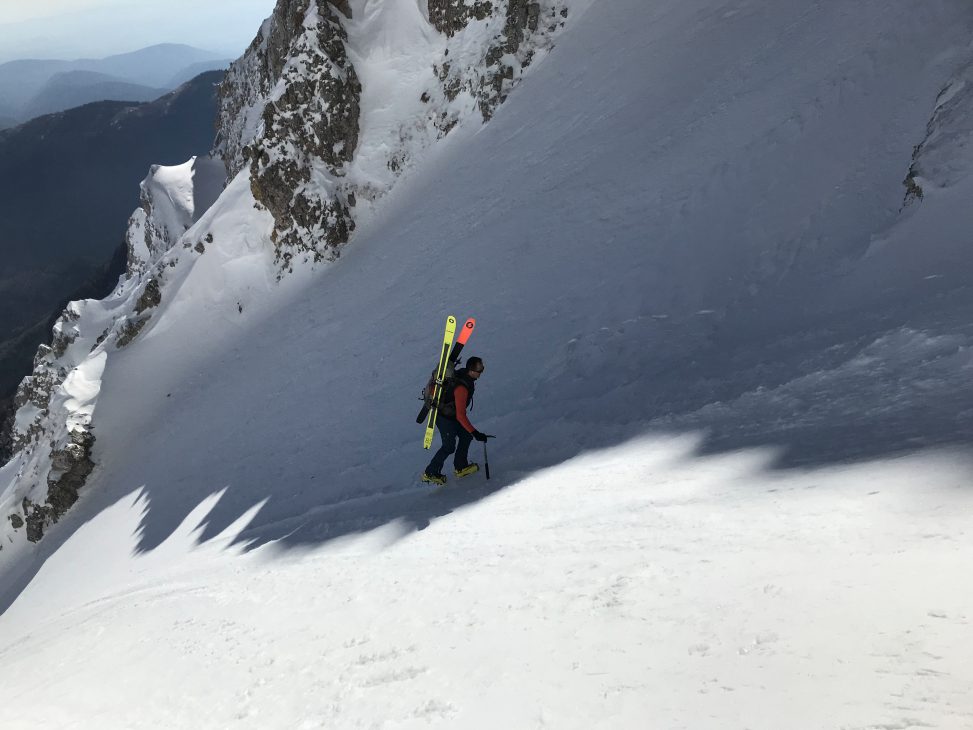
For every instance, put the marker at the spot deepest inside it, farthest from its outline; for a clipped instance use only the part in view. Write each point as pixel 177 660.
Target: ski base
pixel 440 372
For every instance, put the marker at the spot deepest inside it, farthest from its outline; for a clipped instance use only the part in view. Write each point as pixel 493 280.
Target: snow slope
pixel 731 478
pixel 635 587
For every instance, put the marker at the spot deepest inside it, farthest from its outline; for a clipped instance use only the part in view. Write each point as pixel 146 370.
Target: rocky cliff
pixel 52 433
pixel 292 107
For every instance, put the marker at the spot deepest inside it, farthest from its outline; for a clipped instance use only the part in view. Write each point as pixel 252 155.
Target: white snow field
pixel 729 378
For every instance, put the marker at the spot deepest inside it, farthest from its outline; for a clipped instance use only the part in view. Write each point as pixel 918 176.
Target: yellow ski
pixel 440 373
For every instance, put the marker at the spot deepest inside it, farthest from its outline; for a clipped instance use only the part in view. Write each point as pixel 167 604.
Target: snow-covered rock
pixel 52 438
pixel 172 199
pixel 945 157
pixel 333 101
pixel 52 431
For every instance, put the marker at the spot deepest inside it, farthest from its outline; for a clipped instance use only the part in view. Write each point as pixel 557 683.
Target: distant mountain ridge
pixel 70 89
pixel 26 85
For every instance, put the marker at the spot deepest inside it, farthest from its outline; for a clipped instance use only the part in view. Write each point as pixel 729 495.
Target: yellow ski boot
pixel 467 470
pixel 437 479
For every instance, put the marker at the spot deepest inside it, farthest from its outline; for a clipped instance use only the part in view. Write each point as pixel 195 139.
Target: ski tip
pixel 467 331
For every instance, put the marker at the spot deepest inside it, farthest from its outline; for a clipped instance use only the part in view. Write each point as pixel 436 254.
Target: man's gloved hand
pixel 479 436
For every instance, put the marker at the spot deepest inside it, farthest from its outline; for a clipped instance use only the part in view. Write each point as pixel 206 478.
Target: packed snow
pixel 727 370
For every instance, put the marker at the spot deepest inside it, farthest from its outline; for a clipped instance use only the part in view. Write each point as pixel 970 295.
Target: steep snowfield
pixel 729 380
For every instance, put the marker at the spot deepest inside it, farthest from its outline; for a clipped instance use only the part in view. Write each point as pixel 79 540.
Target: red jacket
pixel 461 394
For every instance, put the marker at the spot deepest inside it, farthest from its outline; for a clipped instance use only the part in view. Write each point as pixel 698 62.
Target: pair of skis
pixel 447 361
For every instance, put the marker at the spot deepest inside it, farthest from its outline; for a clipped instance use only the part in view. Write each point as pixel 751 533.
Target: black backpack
pixel 447 399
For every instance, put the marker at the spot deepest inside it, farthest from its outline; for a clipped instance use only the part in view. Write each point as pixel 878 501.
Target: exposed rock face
pixel 70 468
pixel 451 16
pixel 291 107
pixel 310 125
pixel 34 395
pixel 151 297
pixel 52 431
pixel 55 443
pixel 130 329
pixel 247 85
pixel 527 27
pixel 251 79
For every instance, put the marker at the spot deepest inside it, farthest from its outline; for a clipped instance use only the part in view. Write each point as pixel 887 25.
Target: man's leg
pixel 462 459
pixel 447 432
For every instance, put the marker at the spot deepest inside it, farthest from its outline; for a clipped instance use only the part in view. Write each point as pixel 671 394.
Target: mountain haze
pixel 30 87
pixel 71 89
pixel 96 28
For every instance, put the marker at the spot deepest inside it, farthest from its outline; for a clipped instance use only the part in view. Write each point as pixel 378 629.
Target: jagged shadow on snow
pixel 269 467
pixel 412 509
pixel 849 391
pixel 819 397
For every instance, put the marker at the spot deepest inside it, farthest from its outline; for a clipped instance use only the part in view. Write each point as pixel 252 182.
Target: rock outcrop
pixel 291 106
pixel 310 125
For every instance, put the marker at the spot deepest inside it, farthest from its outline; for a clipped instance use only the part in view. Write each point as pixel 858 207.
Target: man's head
pixel 474 366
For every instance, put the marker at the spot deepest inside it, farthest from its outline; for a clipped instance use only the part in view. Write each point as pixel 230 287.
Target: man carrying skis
pixel 454 425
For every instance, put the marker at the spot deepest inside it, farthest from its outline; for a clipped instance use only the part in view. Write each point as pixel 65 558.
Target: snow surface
pixel 393 48
pixel 732 474
pixel 639 586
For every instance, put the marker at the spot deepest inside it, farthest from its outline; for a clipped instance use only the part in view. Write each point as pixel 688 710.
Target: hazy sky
pixel 95 28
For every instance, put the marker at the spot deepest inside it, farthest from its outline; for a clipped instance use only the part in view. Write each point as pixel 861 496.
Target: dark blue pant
pixel 451 432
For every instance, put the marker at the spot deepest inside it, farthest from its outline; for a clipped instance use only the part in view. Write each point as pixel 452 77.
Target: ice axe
pixel 486 461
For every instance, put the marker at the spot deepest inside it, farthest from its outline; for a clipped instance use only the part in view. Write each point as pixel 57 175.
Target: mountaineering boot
pixel 467 470
pixel 437 479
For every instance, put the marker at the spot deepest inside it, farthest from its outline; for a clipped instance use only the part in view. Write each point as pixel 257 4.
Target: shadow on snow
pixel 820 397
